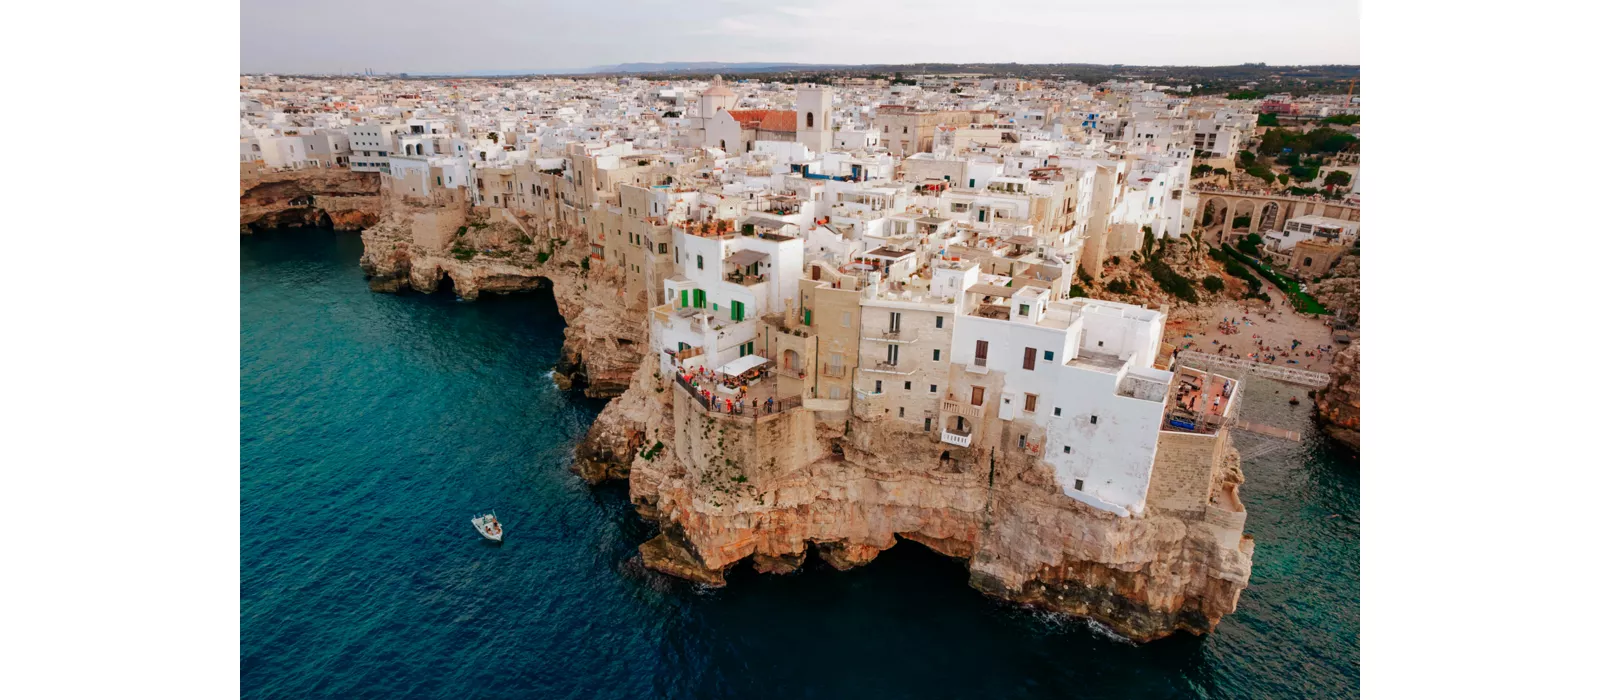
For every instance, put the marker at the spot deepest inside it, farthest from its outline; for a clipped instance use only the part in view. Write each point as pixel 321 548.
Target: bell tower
pixel 814 117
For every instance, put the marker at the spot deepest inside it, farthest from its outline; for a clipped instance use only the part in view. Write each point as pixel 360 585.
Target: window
pixel 894 322
pixel 1100 343
pixel 908 386
pixel 938 322
pixel 1022 442
pixel 1030 402
pixel 927 424
pixel 902 412
pixel 933 388
pixel 877 387
pixel 810 122
pixel 980 354
pixel 1093 420
pixel 894 355
pixel 663 251
pixel 700 262
pixel 1058 410
pixel 845 319
pixel 1027 358
pixel 977 396
pixel 1024 309
pixel 1077 484
pixel 1049 356
pixel 936 355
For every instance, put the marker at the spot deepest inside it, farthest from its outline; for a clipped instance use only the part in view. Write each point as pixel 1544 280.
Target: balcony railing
pixel 954 406
pixel 890 368
pixel 959 438
pixel 893 335
pixel 834 371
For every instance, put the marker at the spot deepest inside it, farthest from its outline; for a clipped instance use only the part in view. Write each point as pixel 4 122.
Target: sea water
pixel 373 426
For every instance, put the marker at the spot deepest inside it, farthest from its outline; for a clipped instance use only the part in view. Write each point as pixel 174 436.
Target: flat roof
pixel 1098 361
pixel 885 252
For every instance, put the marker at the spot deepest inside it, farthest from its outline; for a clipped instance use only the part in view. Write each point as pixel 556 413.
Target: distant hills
pixel 702 66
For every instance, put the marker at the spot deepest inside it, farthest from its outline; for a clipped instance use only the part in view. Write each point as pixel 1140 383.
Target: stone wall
pixel 1181 478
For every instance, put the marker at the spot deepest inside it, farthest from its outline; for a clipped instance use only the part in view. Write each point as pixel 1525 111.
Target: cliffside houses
pixel 890 254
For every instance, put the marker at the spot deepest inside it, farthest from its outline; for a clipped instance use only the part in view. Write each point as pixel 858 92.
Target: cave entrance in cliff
pixel 446 285
pixel 324 221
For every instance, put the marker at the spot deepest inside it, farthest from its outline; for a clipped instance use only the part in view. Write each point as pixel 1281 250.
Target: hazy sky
pixel 414 36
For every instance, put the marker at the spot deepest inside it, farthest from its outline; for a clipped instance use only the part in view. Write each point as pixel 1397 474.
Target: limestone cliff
pixel 425 248
pixel 338 199
pixel 776 489
pixel 1339 404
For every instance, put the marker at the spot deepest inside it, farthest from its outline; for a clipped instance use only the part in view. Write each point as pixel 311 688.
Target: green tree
pixel 1267 119
pixel 1212 283
pixel 1342 119
pixel 1337 178
pixel 1246 158
pixel 1283 178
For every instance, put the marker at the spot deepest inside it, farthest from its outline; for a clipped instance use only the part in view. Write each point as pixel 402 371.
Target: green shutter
pixel 683 295
pixel 808 316
pixel 738 311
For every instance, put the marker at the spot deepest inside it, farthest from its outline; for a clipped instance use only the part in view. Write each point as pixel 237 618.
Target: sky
pixel 413 36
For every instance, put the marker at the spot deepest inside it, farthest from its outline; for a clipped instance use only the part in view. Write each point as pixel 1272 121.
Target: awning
pixel 745 257
pixel 742 365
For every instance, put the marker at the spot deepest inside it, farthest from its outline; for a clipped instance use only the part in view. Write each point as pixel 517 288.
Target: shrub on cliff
pixel 1171 282
pixel 1077 291
pixel 1212 283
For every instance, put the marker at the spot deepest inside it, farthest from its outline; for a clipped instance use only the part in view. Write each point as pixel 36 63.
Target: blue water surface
pixel 373 425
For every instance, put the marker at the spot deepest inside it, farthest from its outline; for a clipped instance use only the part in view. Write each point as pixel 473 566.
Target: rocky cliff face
pixel 1339 404
pixel 339 199
pixel 778 489
pixel 428 248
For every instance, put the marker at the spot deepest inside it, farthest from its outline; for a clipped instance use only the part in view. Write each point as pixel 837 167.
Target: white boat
pixel 488 526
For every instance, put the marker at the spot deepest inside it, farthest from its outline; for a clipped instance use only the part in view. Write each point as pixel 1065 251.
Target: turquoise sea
pixel 372 426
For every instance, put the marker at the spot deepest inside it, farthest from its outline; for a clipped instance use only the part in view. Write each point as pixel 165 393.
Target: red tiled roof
pixel 764 119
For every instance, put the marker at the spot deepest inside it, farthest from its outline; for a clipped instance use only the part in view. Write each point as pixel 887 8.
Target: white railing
pixel 1287 374
pixel 957 439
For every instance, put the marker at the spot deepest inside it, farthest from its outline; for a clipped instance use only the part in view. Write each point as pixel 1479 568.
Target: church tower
pixel 717 97
pixel 814 117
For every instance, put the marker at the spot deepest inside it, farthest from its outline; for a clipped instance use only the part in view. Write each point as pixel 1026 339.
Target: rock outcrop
pixel 1339 404
pixel 427 248
pixel 775 489
pixel 338 199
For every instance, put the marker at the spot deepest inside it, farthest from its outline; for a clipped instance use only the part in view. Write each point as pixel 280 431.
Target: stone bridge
pixel 1267 211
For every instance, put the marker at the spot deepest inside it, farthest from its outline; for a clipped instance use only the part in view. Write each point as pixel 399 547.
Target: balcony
pixel 894 335
pixel 834 371
pixel 952 406
pixel 883 367
pixel 959 438
pixel 745 279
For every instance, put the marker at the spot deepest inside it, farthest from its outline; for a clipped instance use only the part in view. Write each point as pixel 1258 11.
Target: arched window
pixel 810 122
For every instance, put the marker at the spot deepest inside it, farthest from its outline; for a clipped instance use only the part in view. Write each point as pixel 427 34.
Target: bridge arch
pixel 1270 215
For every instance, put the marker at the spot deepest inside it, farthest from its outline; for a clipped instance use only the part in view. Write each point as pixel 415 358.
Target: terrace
pixel 1202 403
